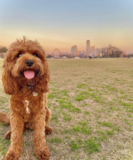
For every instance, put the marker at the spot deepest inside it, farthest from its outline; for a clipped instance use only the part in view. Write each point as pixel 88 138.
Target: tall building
pixel 93 51
pixel 66 53
pixel 74 51
pixel 97 51
pixel 77 54
pixel 87 47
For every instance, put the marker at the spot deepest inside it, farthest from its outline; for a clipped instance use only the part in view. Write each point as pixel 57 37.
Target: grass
pixel 106 124
pixel 83 130
pixel 3 145
pixel 56 140
pixel 80 128
pixel 92 106
pixel 82 96
pixel 75 110
pixel 67 117
pixel 89 146
pixel 82 85
pixel 128 106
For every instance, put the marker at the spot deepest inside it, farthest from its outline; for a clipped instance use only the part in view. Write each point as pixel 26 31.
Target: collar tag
pixel 35 93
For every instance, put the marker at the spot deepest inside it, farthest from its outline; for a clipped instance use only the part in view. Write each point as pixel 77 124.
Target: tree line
pixel 3 49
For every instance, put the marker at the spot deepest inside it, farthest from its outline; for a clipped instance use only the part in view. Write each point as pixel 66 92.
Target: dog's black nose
pixel 29 63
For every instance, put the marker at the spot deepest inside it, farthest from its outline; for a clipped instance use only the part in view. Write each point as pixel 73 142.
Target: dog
pixel 25 77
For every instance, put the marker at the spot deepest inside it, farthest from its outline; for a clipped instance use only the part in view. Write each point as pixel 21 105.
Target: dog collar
pixel 29 86
pixel 34 93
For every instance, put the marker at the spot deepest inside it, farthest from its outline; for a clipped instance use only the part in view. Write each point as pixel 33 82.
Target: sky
pixel 64 23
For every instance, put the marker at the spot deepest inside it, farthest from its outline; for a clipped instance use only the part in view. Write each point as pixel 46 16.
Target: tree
pixel 49 56
pixel 3 50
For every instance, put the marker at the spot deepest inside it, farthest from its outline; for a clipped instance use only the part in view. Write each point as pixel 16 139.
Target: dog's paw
pixel 8 135
pixel 11 156
pixel 44 154
pixel 48 130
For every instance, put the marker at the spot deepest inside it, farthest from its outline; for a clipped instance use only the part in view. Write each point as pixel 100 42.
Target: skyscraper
pixel 87 47
pixel 93 51
pixel 74 51
pixel 97 51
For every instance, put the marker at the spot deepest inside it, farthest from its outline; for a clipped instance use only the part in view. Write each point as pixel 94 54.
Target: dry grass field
pixel 92 107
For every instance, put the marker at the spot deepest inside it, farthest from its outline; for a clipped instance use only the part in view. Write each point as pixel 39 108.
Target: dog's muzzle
pixel 29 63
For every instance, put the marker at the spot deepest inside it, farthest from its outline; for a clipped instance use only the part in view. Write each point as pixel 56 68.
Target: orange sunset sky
pixel 62 24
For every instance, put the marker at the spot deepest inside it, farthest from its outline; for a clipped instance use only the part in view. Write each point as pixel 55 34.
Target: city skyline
pixel 95 51
pixel 62 24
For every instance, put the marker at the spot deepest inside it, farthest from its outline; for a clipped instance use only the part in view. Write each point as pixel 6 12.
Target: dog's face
pixel 28 64
pixel 25 64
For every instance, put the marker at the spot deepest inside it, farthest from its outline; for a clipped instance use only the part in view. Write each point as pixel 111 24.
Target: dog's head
pixel 25 65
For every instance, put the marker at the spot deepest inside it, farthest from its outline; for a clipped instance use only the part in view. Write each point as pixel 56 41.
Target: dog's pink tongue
pixel 29 74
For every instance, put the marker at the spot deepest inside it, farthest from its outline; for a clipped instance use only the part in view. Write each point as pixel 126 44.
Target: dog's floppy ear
pixel 9 82
pixel 44 79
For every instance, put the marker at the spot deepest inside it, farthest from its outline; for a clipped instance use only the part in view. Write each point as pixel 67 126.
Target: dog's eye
pixel 19 55
pixel 35 55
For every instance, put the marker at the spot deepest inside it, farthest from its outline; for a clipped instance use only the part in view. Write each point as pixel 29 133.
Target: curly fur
pixel 22 90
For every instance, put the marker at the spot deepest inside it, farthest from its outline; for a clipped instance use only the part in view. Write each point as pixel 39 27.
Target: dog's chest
pixel 30 105
pixel 26 106
pixel 29 100
pixel 27 110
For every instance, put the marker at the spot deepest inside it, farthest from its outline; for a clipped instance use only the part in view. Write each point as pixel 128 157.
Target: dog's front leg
pixel 41 149
pixel 17 126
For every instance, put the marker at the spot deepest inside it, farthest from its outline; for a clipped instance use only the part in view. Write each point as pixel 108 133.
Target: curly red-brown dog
pixel 25 77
